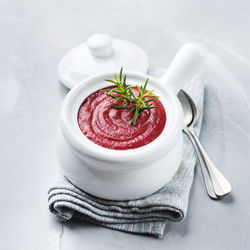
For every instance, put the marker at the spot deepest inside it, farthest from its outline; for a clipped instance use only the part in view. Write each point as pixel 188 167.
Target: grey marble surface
pixel 36 34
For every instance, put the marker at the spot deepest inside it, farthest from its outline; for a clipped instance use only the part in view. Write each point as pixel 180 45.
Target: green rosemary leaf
pixel 145 85
pixel 132 93
pixel 130 87
pixel 152 99
pixel 111 95
pixel 118 92
pixel 105 90
pixel 117 100
pixel 124 82
pixel 139 89
pixel 117 81
pixel 107 80
pixel 150 107
pixel 125 97
pixel 134 118
pixel 110 91
pixel 121 74
pixel 148 93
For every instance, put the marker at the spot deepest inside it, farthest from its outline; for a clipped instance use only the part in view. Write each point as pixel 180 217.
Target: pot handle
pixel 185 64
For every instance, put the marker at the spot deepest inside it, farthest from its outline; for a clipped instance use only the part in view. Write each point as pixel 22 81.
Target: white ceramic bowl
pixel 126 174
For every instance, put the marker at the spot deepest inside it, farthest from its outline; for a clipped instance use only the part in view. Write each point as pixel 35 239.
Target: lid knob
pixel 100 45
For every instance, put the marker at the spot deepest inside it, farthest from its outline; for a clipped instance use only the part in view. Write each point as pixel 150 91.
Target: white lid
pixel 100 54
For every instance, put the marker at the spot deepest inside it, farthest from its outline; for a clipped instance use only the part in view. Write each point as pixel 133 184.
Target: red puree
pixel 110 128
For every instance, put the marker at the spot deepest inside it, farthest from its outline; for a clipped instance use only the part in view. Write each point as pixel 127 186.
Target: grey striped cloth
pixel 144 216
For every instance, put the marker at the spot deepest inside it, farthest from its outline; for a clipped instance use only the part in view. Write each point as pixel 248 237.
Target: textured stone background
pixel 36 34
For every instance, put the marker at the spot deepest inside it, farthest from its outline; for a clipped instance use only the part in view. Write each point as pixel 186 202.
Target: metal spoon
pixel 216 184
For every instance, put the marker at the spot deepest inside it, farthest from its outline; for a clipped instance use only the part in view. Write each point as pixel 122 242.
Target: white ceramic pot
pixel 134 173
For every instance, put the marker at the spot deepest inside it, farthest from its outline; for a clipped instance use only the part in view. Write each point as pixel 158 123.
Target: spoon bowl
pixel 190 112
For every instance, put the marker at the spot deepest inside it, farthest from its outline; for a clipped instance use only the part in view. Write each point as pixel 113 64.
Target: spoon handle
pixel 206 177
pixel 220 184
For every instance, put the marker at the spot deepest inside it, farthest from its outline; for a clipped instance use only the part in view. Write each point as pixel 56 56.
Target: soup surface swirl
pixel 110 128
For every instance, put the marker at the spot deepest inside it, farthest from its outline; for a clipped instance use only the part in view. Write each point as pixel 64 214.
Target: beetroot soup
pixel 111 128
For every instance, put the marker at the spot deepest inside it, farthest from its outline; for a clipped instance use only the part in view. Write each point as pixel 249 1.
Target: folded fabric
pixel 148 215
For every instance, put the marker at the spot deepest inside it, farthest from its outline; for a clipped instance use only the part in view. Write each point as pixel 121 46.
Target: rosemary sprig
pixel 124 94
